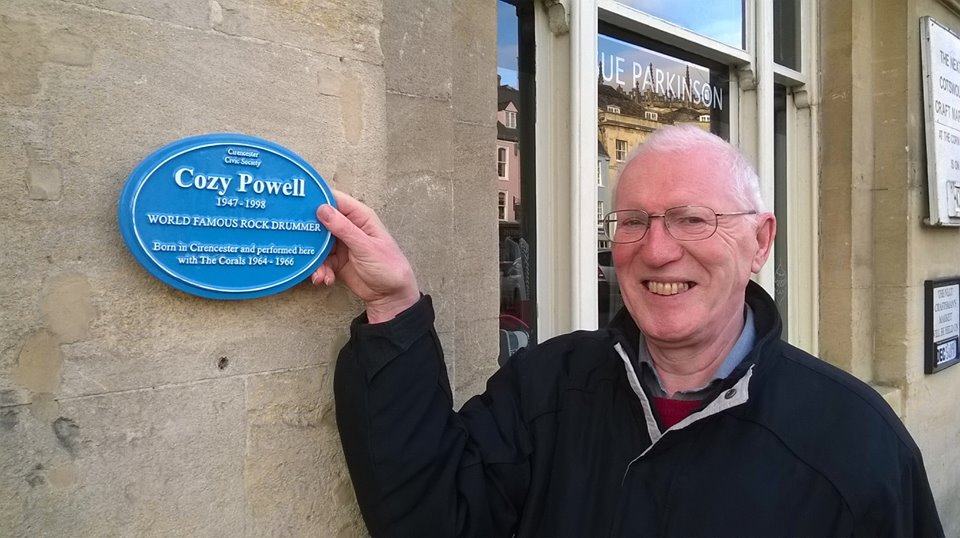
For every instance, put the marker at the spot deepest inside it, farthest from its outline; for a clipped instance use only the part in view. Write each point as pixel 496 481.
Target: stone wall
pixel 875 250
pixel 130 408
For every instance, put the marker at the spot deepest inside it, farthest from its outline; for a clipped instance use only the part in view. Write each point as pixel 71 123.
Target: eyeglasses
pixel 684 223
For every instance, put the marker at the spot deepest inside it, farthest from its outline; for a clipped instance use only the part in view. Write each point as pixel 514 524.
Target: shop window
pixel 515 167
pixel 786 33
pixel 653 86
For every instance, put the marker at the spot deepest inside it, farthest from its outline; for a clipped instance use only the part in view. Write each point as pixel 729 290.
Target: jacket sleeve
pixel 904 504
pixel 418 467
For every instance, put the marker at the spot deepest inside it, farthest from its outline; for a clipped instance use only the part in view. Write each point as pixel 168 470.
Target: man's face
pixel 688 293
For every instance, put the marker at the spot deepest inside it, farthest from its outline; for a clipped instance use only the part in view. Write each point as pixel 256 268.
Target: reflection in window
pixel 621 150
pixel 650 89
pixel 780 206
pixel 786 33
pixel 515 168
pixel 721 20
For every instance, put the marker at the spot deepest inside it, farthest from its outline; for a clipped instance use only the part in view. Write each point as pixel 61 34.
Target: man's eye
pixel 691 221
pixel 633 223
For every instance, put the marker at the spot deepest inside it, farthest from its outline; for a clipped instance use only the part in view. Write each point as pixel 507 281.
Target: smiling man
pixel 687 417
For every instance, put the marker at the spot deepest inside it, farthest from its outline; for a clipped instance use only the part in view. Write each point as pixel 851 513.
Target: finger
pixel 340 226
pixel 360 214
pixel 323 274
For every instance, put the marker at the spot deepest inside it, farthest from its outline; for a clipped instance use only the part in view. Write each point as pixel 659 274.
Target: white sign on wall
pixel 941 93
pixel 942 324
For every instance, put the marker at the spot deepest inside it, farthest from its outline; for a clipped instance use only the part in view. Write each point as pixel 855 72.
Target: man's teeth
pixel 667 288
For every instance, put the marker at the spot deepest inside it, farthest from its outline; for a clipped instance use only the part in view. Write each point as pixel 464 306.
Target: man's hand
pixel 367 259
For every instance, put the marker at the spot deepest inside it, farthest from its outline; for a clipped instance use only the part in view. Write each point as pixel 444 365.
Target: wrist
pixel 382 311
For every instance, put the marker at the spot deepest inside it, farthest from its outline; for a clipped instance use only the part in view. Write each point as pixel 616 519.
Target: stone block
pixel 421 135
pixel 893 226
pixel 67 307
pixel 836 254
pixel 892 335
pixel 339 29
pixel 477 346
pixel 295 477
pixel 419 49
pixel 152 462
pixel 22 57
pixel 132 347
pixel 44 181
pixel 475 43
pixel 68 48
pixel 191 14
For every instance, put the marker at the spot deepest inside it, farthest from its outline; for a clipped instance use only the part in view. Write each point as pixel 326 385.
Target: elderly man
pixel 688 416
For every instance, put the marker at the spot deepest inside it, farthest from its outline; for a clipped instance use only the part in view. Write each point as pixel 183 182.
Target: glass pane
pixel 721 20
pixel 786 33
pixel 514 195
pixel 640 90
pixel 780 206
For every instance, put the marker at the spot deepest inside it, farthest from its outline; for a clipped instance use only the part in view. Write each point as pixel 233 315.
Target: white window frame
pixel 620 155
pixel 510 119
pixel 566 134
pixel 502 212
pixel 505 163
pixel 650 115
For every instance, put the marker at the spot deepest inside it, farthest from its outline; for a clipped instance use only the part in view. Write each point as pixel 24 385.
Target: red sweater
pixel 673 411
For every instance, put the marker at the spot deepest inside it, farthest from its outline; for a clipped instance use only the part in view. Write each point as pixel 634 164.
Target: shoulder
pixel 836 424
pixel 582 360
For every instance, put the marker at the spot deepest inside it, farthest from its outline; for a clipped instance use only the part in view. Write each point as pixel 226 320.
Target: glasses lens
pixel 626 226
pixel 690 223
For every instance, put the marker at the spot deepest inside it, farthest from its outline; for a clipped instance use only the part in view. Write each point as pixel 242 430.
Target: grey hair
pixel 684 138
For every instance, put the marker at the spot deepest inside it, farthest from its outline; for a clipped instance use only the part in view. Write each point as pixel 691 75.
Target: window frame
pixel 505 163
pixel 567 132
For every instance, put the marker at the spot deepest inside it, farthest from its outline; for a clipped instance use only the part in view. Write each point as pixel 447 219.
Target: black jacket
pixel 563 443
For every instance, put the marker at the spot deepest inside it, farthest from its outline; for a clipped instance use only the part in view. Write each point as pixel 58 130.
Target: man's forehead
pixel 676 175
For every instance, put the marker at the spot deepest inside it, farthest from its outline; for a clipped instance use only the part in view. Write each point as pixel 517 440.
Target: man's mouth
pixel 667 288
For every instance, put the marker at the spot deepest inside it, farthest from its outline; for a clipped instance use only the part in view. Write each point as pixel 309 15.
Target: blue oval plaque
pixel 226 216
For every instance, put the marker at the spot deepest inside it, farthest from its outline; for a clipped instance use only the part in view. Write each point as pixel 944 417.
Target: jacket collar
pixel 766 321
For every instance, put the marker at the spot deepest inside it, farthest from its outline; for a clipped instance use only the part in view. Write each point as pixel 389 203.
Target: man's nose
pixel 658 247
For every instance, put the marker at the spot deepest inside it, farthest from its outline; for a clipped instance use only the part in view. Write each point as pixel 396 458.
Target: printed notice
pixel 941 70
pixel 943 324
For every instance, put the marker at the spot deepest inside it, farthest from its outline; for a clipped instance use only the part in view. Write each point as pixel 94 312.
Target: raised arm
pixel 418 468
pixel 367 259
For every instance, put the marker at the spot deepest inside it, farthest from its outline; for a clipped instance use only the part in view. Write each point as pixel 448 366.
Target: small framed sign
pixel 226 216
pixel 942 324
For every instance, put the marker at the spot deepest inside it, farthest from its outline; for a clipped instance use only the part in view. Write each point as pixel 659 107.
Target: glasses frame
pixel 650 216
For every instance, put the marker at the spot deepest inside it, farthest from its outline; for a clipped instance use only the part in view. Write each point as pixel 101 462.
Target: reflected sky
pixel 507 47
pixel 717 19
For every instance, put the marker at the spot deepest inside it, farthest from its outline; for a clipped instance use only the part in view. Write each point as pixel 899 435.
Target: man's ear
pixel 766 232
